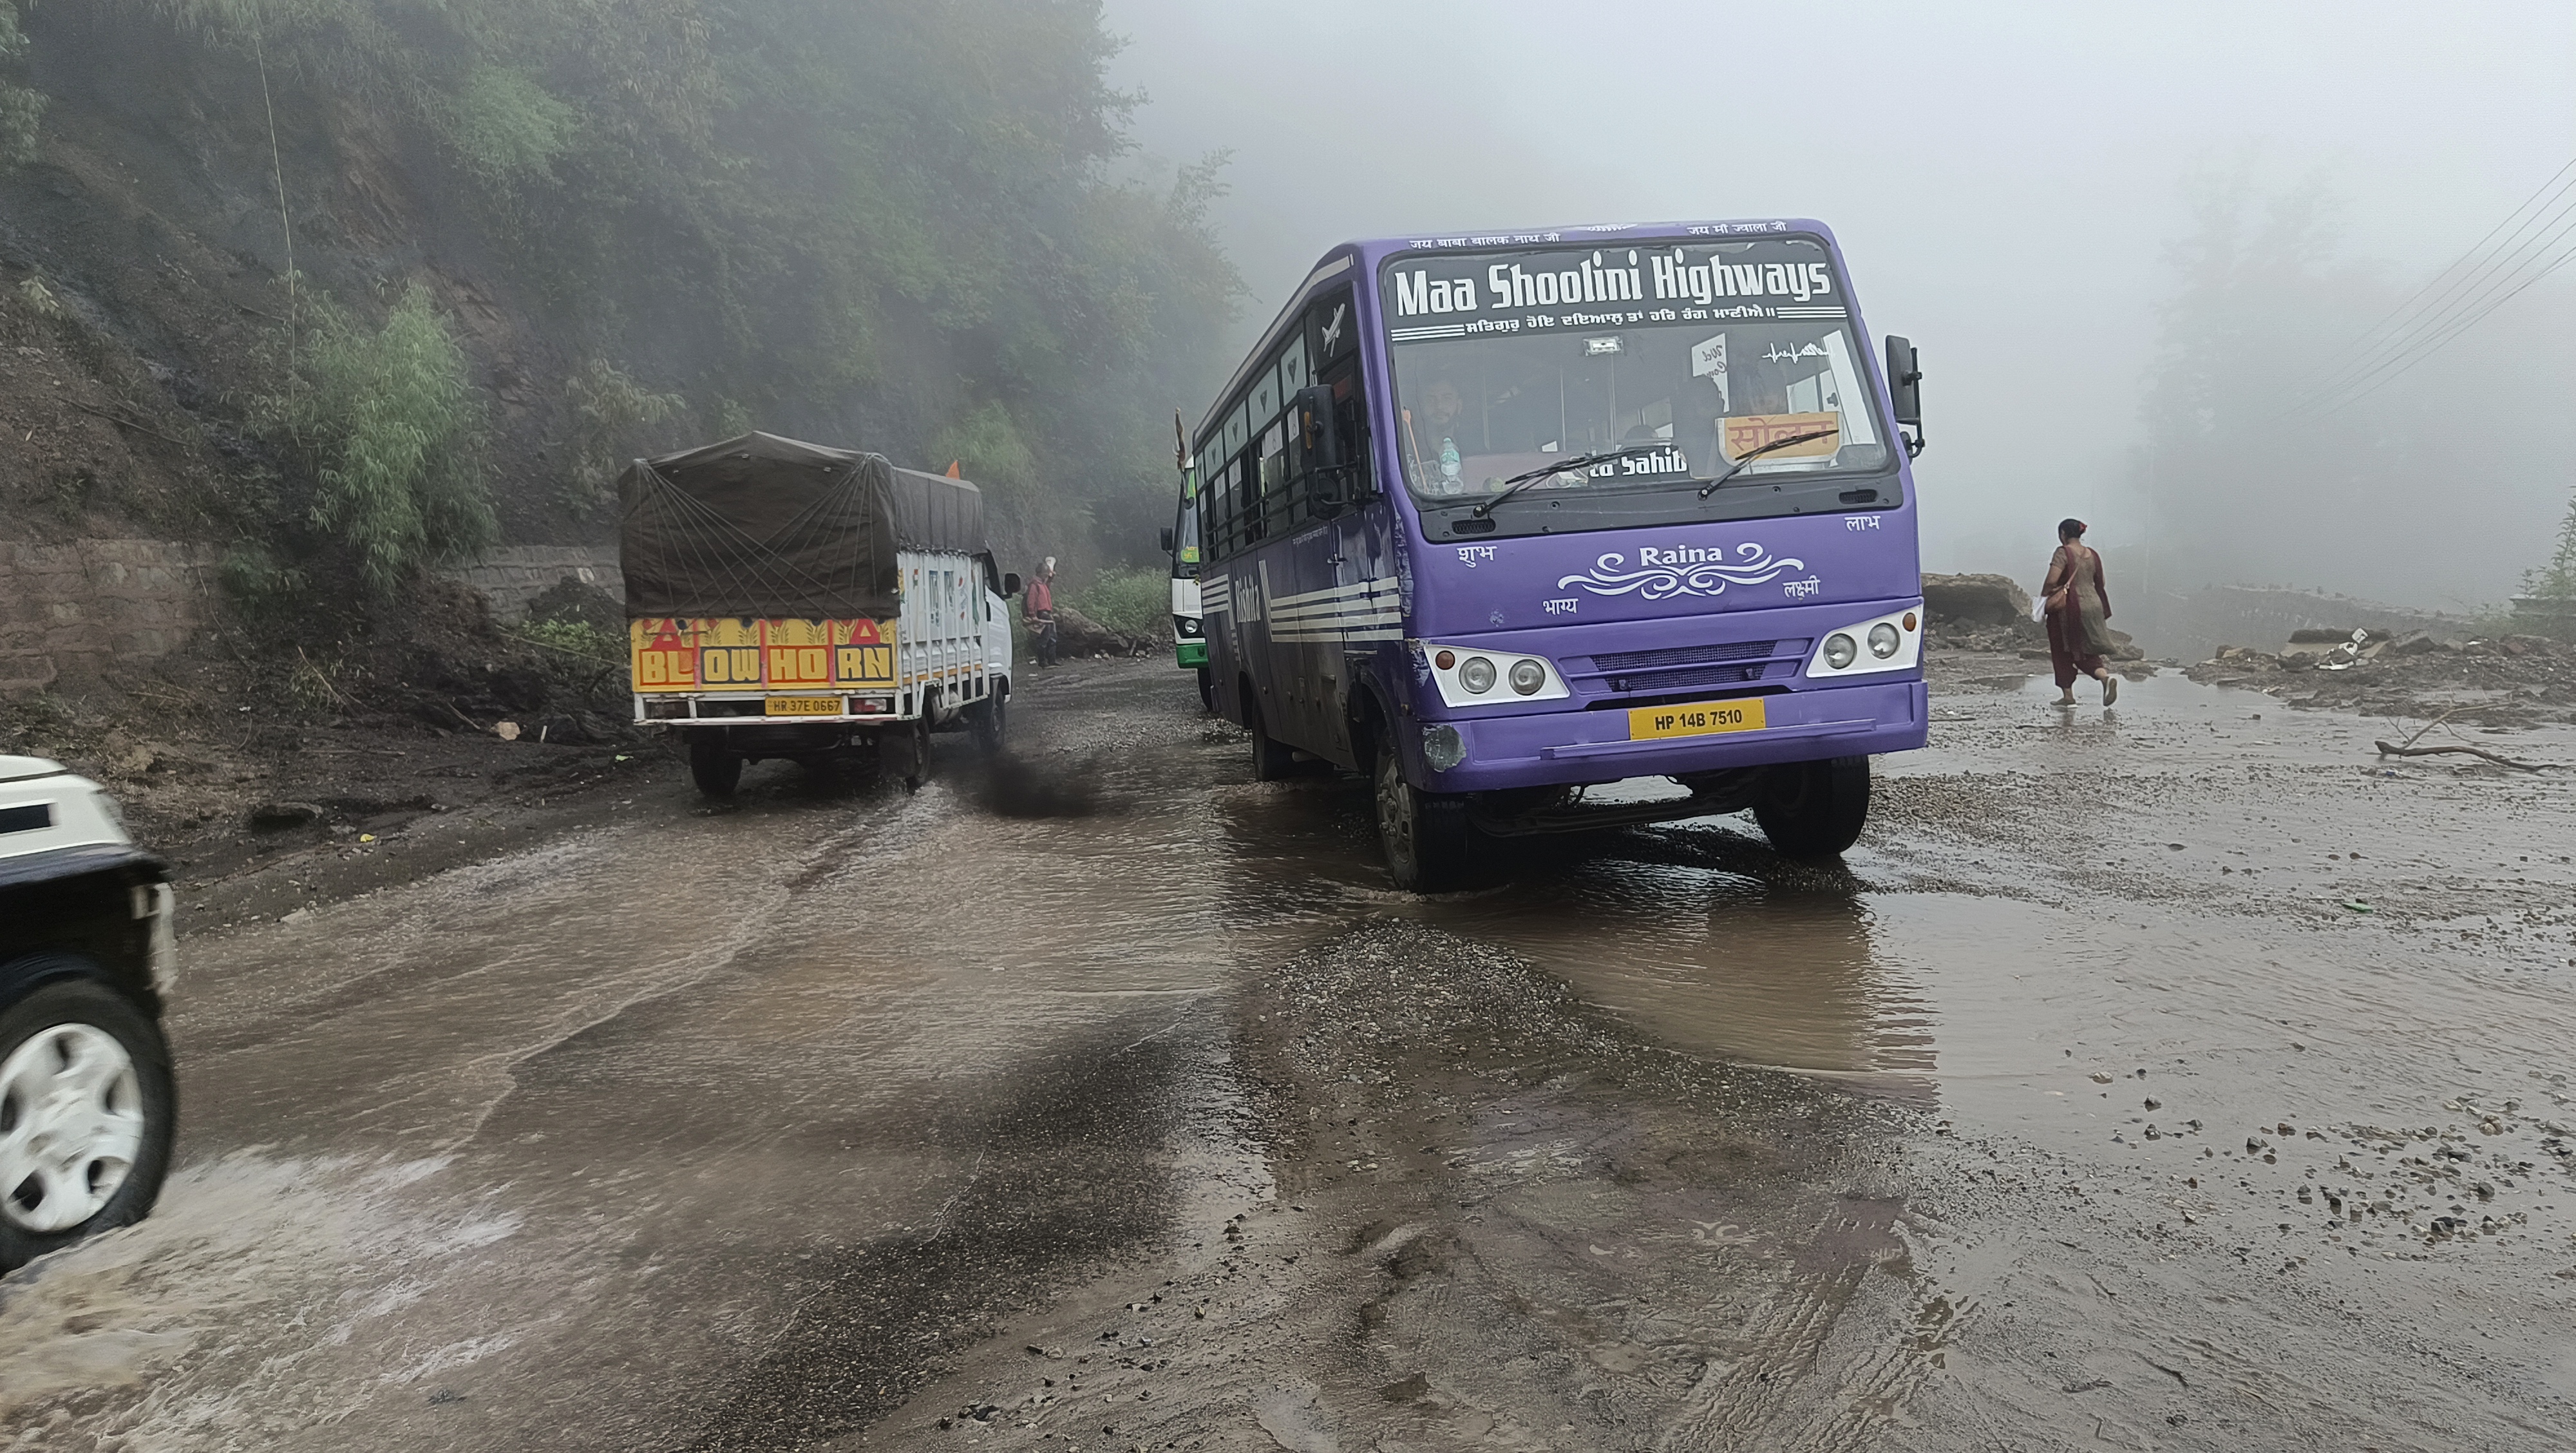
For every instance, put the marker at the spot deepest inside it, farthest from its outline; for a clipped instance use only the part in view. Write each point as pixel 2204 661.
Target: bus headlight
pixel 1895 642
pixel 1474 676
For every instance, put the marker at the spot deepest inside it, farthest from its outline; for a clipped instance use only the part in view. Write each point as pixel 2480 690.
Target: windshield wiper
pixel 1519 482
pixel 1808 438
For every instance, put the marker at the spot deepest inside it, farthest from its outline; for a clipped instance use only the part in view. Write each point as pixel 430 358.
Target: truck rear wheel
pixel 903 752
pixel 1815 809
pixel 716 769
pixel 1425 835
pixel 1207 691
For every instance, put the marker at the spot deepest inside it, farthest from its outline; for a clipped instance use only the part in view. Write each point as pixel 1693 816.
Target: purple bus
pixel 1494 519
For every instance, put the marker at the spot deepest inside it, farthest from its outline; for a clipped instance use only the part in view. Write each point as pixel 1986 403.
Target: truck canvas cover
pixel 764 527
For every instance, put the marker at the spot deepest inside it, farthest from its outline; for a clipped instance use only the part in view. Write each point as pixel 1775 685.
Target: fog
pixel 2019 189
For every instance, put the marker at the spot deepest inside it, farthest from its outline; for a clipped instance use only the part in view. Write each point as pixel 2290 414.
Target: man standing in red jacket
pixel 1037 607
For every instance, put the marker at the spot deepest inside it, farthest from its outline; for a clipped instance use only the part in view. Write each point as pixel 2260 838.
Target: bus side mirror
pixel 1167 539
pixel 1010 585
pixel 1905 390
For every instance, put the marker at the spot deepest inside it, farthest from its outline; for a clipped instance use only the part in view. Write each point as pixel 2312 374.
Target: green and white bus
pixel 1181 543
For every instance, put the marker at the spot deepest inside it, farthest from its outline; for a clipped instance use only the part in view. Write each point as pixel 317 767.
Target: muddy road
pixel 2179 1079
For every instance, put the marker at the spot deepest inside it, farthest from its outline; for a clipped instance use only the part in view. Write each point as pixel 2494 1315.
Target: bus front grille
pixel 1617 661
pixel 1684 680
pixel 1687 668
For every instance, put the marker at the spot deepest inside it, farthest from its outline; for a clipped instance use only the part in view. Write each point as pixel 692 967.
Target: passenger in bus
pixel 1432 436
pixel 2079 615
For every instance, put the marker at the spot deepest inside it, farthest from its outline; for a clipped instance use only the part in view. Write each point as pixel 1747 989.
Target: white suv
pixel 86 1101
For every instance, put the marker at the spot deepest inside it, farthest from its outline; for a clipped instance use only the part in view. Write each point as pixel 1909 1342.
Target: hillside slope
pixel 301 301
pixel 909 227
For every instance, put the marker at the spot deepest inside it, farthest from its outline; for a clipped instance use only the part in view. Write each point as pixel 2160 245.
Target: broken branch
pixel 2437 721
pixel 2387 749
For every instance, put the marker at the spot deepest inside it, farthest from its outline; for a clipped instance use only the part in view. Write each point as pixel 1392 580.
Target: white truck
pixel 784 599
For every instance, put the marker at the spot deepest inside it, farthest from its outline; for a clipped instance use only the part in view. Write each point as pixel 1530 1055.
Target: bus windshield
pixel 1688 360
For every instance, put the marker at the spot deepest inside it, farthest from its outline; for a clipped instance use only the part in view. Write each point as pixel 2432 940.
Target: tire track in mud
pixel 1834 1355
pixel 1556 1264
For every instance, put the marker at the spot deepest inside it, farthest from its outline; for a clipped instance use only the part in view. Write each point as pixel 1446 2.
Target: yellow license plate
pixel 1696 720
pixel 803 706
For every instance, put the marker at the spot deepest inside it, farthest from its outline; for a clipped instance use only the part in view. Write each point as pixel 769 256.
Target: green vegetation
pixel 21 107
pixel 577 639
pixel 609 411
pixel 2556 580
pixel 392 428
pixel 255 580
pixel 915 226
pixel 506 128
pixel 1136 600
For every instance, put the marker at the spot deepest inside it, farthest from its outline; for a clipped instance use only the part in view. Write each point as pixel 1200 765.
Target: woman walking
pixel 2079 616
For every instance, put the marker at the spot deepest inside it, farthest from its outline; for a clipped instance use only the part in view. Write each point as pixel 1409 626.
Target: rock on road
pixel 2186 1079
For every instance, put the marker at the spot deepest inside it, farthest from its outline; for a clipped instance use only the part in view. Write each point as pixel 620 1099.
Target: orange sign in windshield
pixel 1748 432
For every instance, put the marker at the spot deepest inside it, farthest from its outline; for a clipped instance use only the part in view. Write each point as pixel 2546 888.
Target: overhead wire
pixel 2548 191
pixel 2455 298
pixel 2390 369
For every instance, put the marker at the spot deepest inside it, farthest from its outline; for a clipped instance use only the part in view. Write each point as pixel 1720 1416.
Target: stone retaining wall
pixel 67 609
pixel 517 574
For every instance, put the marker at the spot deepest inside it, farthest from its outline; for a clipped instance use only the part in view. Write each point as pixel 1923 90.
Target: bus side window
pixel 1211 509
pixel 1271 483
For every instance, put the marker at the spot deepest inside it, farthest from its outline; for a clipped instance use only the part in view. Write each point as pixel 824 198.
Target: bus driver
pixel 1433 436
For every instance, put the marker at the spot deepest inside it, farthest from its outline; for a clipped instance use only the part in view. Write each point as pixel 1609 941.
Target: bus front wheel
pixel 1815 809
pixel 1425 835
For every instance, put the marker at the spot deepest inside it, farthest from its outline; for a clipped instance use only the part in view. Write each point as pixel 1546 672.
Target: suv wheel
pixel 86 1116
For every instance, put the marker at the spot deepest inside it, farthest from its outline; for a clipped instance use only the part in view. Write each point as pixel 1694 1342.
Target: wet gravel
pixel 2179 1076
